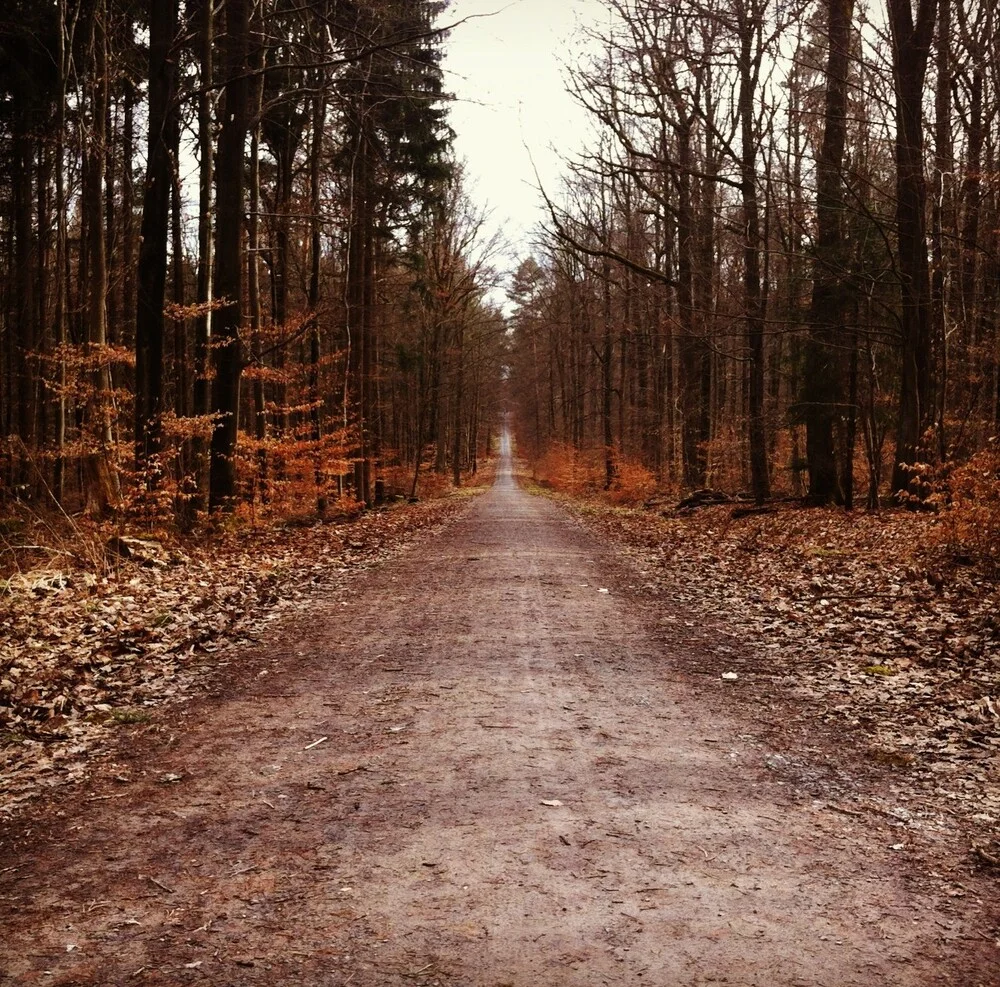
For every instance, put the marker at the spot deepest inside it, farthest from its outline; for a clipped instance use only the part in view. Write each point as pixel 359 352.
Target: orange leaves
pixel 634 484
pixel 286 473
pixel 582 474
pixel 178 428
pixel 267 375
pixel 179 313
pixel 86 358
pixel 969 497
pixel 565 468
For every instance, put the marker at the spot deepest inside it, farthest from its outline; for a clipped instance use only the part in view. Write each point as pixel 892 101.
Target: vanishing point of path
pixel 476 766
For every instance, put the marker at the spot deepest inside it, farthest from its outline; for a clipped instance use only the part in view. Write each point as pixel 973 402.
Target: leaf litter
pixel 84 655
pixel 864 623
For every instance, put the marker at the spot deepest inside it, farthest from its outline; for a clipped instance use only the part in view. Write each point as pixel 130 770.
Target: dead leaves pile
pixel 84 655
pixel 859 620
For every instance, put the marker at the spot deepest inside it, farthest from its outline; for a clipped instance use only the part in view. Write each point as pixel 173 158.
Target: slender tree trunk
pixel 102 489
pixel 941 212
pixel 114 299
pixel 253 280
pixel 43 292
pixel 154 233
pixel 284 153
pixel 24 257
pixel 911 48
pixel 694 463
pixel 228 279
pixel 358 276
pixel 315 339
pixel 607 340
pixel 180 400
pixel 749 66
pixel 59 473
pixel 456 459
pixel 972 196
pixel 704 301
pixel 203 323
pixel 369 410
pixel 129 249
pixel 607 371
pixel 851 424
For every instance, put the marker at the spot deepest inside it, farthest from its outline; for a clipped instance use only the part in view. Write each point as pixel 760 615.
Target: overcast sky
pixel 511 112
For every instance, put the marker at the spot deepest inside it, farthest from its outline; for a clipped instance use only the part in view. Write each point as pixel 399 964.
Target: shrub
pixel 968 496
pixel 634 484
pixel 567 469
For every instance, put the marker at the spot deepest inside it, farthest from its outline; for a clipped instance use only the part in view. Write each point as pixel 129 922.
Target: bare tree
pixel 912 33
pixel 230 186
pixel 163 144
pixel 822 381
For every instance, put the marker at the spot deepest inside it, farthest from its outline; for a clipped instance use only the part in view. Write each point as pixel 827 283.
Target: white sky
pixel 511 107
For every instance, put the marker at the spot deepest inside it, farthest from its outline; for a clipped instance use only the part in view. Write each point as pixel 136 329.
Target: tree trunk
pixel 259 403
pixel 941 213
pixel 749 66
pixel 315 258
pixel 456 458
pixel 129 242
pixel 607 370
pixel 23 292
pixel 102 489
pixel 911 47
pixel 201 391
pixel 229 185
pixel 154 236
pixel 821 398
pixel 359 276
pixel 693 460
pixel 62 337
pixel 180 399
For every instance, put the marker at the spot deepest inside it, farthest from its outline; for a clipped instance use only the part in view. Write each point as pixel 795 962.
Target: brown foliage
pixel 93 642
pixel 633 484
pixel 860 623
pixel 968 496
pixel 569 470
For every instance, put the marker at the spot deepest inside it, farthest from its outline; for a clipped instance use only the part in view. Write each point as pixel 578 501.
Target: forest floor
pixel 532 746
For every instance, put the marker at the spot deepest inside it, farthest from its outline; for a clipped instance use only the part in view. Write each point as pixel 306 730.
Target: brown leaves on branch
pixel 180 313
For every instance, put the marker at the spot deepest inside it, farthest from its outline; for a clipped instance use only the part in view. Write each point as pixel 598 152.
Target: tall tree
pixel 912 33
pixel 197 485
pixel 750 24
pixel 163 143
pixel 394 154
pixel 102 482
pixel 230 186
pixel 822 389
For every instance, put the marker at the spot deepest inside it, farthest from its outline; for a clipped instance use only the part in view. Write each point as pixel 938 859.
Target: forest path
pixel 474 768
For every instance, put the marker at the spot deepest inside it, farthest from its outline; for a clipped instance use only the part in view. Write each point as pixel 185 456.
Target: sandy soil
pixel 477 766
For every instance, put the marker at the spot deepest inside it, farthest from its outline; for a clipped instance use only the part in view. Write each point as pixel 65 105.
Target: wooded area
pixel 775 269
pixel 246 293
pixel 240 271
pixel 237 267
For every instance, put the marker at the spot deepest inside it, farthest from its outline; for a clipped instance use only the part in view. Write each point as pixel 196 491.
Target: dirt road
pixel 478 767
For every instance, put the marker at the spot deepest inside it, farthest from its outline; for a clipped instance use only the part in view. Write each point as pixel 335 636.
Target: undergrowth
pixel 967 496
pixel 40 541
pixel 584 474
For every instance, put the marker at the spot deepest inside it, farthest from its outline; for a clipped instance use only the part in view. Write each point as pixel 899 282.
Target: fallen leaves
pixel 852 619
pixel 84 655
